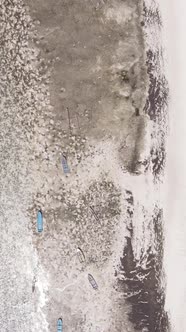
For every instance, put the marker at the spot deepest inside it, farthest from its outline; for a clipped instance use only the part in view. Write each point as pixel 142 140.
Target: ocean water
pixel 174 42
pixel 165 26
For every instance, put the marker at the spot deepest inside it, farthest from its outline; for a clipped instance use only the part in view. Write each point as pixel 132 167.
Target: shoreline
pixel 147 295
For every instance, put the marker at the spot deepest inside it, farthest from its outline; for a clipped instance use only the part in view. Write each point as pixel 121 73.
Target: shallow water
pixel 175 248
pixel 143 281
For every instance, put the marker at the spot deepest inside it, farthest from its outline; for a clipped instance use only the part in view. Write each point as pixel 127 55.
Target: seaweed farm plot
pixel 142 283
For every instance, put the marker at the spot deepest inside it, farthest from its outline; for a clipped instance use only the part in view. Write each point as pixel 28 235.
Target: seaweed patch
pixel 142 284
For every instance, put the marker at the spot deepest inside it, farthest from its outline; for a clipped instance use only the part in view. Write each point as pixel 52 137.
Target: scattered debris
pixel 64 164
pixel 34 284
pixel 94 213
pixel 40 221
pixel 59 325
pixel 80 255
pixel 69 120
pixel 92 281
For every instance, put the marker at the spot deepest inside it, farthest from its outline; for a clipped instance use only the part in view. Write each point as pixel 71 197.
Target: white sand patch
pixel 119 13
pixel 42 285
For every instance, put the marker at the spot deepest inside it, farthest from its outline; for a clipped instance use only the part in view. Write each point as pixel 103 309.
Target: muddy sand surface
pixel 93 54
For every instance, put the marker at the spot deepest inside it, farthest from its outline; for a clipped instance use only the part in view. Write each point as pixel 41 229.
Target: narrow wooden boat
pixel 39 221
pixel 65 166
pixel 92 281
pixel 59 325
pixel 80 255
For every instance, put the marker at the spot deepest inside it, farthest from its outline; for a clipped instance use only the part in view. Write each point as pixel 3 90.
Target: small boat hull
pixel 66 168
pixel 40 221
pixel 92 281
pixel 59 325
pixel 80 255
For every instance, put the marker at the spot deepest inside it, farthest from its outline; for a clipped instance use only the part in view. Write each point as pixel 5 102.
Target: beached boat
pixel 39 221
pixel 80 255
pixel 66 168
pixel 59 325
pixel 92 281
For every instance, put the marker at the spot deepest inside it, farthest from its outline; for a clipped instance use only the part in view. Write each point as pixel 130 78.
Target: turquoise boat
pixel 59 325
pixel 39 221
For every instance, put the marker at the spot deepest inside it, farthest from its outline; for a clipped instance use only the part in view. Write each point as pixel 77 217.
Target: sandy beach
pixel 84 121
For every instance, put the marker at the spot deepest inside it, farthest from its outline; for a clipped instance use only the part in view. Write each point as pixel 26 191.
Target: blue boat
pixel 39 221
pixel 66 168
pixel 59 325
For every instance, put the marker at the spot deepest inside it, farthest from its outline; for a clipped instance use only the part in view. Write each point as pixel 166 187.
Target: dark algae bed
pixel 143 288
